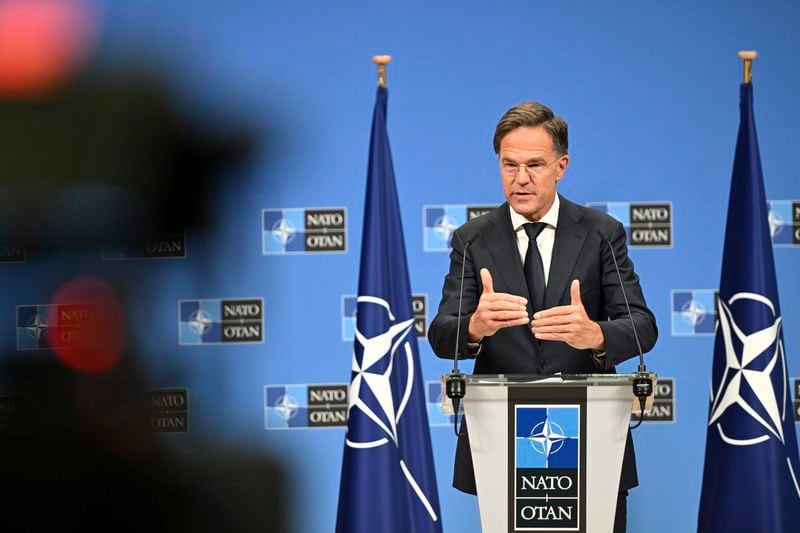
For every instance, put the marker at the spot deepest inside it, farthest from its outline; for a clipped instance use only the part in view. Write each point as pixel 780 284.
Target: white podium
pixel 547 451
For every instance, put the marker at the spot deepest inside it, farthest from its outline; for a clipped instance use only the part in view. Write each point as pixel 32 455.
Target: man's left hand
pixel 569 323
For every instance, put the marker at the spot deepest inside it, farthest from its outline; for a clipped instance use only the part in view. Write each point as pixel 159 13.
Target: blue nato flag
pixel 750 482
pixel 388 481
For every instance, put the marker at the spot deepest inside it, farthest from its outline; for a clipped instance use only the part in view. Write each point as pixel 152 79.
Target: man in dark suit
pixel 565 279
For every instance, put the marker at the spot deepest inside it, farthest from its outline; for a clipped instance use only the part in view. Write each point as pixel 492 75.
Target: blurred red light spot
pixel 42 42
pixel 87 326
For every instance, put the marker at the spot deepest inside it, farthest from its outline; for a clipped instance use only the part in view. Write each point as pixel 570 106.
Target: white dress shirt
pixel 544 241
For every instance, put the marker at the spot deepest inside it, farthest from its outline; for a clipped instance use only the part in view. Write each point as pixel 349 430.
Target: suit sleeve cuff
pixel 603 359
pixel 474 349
pixel 464 349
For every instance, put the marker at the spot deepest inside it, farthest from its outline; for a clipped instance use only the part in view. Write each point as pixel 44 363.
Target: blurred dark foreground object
pixel 105 160
pixel 75 454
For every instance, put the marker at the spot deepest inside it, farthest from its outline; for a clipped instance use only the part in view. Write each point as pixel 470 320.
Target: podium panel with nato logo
pixel 548 451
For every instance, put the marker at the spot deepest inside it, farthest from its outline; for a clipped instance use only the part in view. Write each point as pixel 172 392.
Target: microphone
pixel 642 384
pixel 455 381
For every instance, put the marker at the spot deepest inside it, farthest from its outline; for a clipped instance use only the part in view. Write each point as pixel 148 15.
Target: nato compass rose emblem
pixel 693 312
pixel 747 386
pixel 287 407
pixel 37 327
pixel 776 223
pixel 200 321
pixel 379 361
pixel 284 231
pixel 547 437
pixel 444 228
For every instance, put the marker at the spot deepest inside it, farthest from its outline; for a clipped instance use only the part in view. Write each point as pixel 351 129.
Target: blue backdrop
pixel 650 92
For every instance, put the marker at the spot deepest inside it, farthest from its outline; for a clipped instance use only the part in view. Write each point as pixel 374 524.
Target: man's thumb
pixel 486 279
pixel 575 292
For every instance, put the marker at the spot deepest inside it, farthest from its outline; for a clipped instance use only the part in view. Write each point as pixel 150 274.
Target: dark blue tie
pixel 534 269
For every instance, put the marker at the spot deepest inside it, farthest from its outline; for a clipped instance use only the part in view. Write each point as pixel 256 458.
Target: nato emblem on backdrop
pixel 41 327
pixel 694 312
pixel 218 321
pixel 170 246
pixel 663 403
pixel 648 224
pixel 11 254
pixel 305 406
pixel 168 410
pixel 796 405
pixel 304 230
pixel 440 221
pixel 419 306
pixel 784 222
pixel 547 469
pixel 32 327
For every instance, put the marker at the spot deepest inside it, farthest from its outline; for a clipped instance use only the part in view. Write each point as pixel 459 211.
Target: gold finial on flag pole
pixel 748 56
pixel 382 61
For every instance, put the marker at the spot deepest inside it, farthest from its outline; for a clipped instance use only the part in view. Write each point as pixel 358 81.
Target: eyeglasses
pixel 533 170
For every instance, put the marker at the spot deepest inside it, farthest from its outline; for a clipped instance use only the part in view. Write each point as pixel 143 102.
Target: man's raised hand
pixel 496 310
pixel 569 323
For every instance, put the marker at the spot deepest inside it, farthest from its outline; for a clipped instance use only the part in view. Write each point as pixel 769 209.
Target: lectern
pixel 547 451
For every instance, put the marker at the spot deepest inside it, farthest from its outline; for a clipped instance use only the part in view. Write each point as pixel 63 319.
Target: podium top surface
pixel 567 380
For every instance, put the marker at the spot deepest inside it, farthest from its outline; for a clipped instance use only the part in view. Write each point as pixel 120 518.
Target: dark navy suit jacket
pixel 578 253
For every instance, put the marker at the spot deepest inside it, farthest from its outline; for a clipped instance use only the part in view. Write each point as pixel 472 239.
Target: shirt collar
pixel 550 218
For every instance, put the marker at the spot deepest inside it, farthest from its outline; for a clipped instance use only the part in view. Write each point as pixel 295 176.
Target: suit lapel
pixel 501 241
pixel 570 236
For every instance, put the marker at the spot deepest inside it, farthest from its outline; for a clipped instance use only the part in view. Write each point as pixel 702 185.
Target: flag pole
pixel 747 56
pixel 382 61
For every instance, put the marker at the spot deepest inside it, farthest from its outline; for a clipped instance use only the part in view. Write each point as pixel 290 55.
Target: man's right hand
pixel 496 310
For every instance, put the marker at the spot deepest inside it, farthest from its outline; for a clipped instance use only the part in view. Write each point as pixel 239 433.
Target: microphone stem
pixel 460 300
pixel 642 386
pixel 642 367
pixel 455 381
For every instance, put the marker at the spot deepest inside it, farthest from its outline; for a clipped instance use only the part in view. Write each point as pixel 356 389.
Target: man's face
pixel 530 196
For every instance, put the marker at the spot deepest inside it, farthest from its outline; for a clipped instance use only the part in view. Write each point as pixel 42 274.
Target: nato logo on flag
pixel 304 230
pixel 305 406
pixel 547 467
pixel 440 221
pixel 647 224
pixel 419 306
pixel 694 312
pixel 784 222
